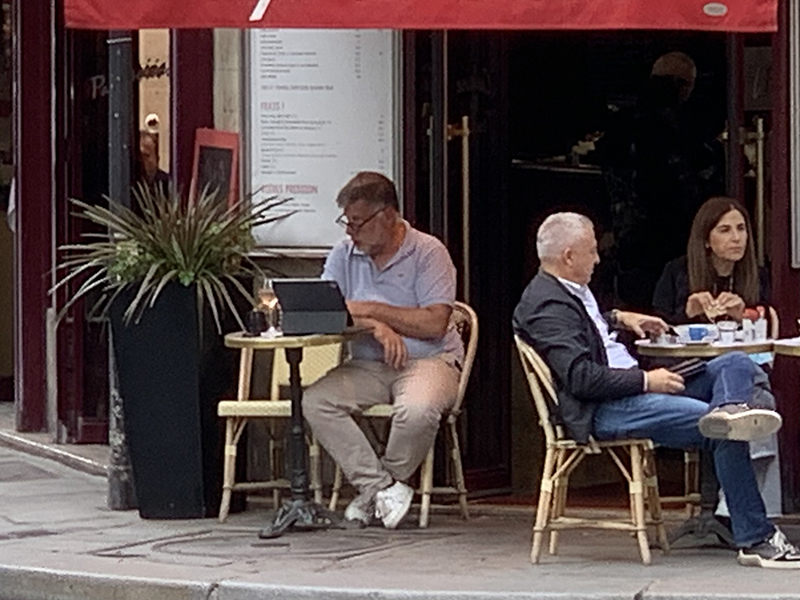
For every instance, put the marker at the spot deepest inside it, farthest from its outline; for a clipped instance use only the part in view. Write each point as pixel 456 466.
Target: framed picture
pixel 216 164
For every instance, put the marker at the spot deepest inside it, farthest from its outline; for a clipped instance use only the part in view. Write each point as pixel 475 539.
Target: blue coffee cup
pixel 697 332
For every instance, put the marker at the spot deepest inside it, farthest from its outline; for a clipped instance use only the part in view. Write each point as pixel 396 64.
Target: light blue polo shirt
pixel 420 274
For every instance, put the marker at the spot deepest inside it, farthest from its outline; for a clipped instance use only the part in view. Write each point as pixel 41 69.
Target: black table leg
pixel 705 524
pixel 299 512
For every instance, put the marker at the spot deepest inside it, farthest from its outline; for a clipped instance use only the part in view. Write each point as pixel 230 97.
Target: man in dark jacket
pixel 602 392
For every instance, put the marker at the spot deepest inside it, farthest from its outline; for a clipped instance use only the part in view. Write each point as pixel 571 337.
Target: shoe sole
pixel 392 521
pixel 745 426
pixel 754 560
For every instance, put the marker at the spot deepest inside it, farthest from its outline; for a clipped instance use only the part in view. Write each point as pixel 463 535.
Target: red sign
pixel 722 15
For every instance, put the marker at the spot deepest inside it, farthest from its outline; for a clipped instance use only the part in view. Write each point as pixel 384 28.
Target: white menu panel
pixel 321 108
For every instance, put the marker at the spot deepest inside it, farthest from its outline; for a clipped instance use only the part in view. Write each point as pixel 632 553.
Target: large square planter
pixel 173 369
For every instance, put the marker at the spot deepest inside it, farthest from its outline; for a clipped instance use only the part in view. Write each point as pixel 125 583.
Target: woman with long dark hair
pixel 719 275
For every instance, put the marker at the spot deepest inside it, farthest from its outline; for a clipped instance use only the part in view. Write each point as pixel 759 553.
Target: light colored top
pixel 420 274
pixel 617 353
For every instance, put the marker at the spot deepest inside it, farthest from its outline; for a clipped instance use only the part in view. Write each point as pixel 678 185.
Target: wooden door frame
pixel 34 134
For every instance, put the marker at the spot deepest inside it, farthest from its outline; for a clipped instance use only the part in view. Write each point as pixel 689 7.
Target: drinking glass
pixel 268 302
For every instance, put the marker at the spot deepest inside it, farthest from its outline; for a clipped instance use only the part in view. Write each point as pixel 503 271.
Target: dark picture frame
pixel 216 164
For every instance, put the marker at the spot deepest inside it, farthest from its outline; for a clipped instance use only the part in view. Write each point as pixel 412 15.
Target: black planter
pixel 173 368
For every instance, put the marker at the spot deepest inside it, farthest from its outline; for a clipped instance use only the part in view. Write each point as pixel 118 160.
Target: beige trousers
pixel 419 394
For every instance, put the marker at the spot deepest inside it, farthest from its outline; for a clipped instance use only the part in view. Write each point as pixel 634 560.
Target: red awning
pixel 722 15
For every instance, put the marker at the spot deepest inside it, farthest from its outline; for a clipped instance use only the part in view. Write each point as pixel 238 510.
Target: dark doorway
pixel 535 102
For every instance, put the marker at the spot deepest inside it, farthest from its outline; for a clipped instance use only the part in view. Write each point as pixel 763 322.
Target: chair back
pixel 317 361
pixel 775 324
pixel 465 321
pixel 540 382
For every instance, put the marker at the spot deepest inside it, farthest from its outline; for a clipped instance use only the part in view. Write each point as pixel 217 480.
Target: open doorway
pixel 539 105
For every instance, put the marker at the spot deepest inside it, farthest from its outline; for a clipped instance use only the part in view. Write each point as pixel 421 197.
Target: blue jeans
pixel 671 421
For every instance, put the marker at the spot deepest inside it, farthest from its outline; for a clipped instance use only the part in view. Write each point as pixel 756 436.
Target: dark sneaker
pixel 739 422
pixel 775 553
pixel 361 510
pixel 392 504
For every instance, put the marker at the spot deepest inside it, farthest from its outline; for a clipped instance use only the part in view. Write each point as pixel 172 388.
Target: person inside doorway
pixel 150 174
pixel 401 283
pixel 660 164
pixel 604 393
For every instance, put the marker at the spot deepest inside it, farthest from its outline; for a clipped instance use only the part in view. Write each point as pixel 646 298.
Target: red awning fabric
pixel 722 15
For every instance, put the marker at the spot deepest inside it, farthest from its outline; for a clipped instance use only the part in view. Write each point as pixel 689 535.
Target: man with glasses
pixel 401 283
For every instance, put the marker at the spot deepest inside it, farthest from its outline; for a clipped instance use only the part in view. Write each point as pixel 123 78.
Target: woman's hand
pixel 395 352
pixel 731 304
pixel 699 303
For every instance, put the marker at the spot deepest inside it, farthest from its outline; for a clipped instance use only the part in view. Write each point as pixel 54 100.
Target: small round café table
pixel 704 524
pixel 701 349
pixel 787 347
pixel 300 511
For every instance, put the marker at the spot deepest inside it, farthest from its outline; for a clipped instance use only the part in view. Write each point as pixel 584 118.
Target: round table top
pixel 787 347
pixel 701 349
pixel 241 339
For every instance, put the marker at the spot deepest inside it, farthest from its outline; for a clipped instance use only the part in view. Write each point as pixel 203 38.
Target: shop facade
pixel 494 78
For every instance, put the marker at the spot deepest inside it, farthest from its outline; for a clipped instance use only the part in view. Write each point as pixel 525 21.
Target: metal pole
pixel 438 136
pixel 121 493
pixel 735 111
pixel 760 209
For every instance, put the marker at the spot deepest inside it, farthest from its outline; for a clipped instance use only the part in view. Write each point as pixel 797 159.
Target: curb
pixel 23 583
pixel 79 463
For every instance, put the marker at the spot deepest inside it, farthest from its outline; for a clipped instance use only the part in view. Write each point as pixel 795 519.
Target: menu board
pixel 321 109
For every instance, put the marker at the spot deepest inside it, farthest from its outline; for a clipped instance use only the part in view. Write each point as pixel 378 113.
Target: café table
pixel 300 512
pixel 701 349
pixel 704 524
pixel 787 347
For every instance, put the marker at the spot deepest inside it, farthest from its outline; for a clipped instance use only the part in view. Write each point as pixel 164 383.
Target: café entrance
pixel 536 107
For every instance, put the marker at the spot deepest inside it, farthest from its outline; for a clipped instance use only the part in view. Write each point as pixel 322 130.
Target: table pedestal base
pixel 701 527
pixel 299 515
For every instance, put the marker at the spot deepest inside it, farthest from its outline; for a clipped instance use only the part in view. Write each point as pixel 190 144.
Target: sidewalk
pixel 59 541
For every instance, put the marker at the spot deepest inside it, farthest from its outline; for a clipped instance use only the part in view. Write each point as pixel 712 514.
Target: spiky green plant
pixel 205 242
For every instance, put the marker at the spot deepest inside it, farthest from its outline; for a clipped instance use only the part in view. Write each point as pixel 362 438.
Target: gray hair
pixel 559 231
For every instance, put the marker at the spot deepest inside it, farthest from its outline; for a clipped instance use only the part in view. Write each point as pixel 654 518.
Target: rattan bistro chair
pixel 466 322
pixel 317 361
pixel 563 455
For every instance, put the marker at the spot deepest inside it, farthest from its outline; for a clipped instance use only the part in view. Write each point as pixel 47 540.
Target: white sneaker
pixel 774 553
pixel 392 504
pixel 739 422
pixel 361 509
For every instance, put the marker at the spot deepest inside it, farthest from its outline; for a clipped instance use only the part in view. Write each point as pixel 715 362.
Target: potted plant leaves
pixel 172 277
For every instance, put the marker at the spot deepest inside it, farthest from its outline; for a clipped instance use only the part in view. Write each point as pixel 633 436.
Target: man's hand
pixel 662 381
pixel 641 324
pixel 360 308
pixel 395 352
pixel 699 303
pixel 731 304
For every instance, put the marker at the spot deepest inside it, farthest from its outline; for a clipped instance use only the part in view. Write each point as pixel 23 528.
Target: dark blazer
pixel 556 324
pixel 672 292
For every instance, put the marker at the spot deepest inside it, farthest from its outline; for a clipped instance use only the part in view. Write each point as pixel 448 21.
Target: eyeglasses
pixel 354 226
